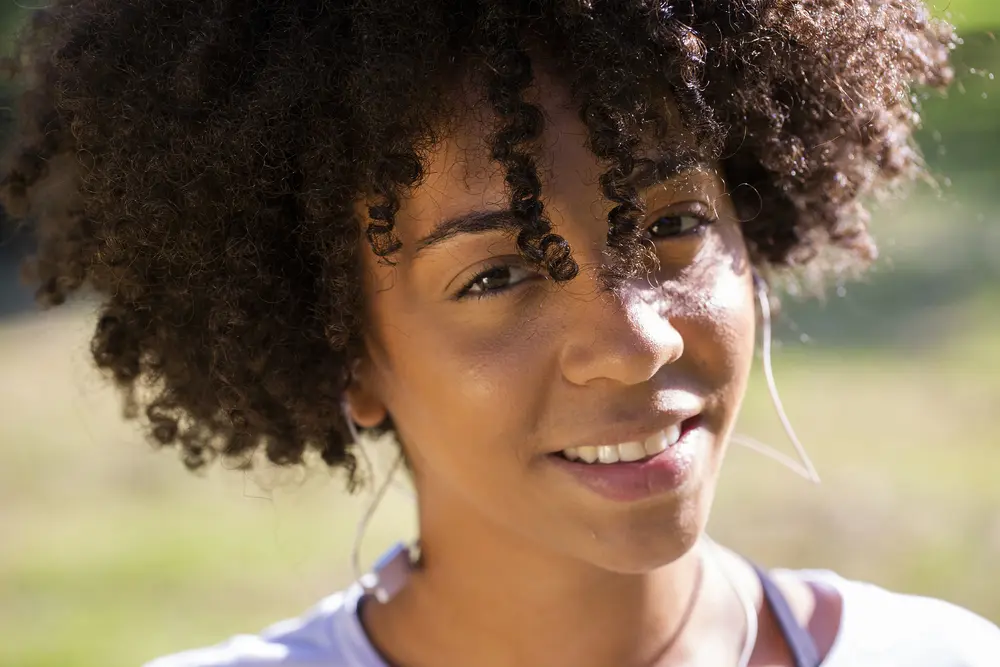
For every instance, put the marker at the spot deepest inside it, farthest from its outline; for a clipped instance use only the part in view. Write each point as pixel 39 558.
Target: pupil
pixel 498 277
pixel 666 226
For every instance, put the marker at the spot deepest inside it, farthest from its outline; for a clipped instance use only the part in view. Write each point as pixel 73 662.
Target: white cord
pixel 749 608
pixel 771 453
pixel 366 518
pixel 362 527
pixel 807 469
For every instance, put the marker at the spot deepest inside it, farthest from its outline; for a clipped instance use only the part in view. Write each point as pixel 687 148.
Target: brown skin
pixel 483 391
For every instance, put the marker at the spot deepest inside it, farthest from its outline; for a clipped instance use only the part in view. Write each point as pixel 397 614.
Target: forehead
pixel 461 176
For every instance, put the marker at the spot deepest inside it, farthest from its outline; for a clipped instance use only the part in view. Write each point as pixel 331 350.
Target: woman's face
pixel 501 382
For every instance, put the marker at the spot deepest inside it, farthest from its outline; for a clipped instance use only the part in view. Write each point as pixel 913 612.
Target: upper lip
pixel 620 433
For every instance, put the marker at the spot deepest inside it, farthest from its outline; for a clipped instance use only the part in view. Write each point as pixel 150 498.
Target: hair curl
pixel 198 163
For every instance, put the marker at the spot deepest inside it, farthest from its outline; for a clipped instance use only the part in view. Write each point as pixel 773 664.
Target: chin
pixel 636 536
pixel 649 539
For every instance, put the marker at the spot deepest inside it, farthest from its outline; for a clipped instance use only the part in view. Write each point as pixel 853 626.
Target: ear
pixel 362 399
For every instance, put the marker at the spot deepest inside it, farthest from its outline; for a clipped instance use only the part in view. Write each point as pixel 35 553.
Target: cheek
pixel 452 389
pixel 714 312
pixel 729 312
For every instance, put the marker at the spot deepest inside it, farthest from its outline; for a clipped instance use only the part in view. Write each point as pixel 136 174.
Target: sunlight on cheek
pixel 731 293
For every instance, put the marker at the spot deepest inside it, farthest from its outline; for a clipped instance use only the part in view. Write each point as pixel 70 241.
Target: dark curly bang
pixel 198 165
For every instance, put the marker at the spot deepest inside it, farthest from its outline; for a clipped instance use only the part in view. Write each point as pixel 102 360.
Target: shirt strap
pixel 800 642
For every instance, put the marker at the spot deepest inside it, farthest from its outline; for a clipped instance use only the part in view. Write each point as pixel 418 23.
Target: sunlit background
pixel 110 553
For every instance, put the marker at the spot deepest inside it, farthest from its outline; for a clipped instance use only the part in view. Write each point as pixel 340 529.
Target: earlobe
pixel 362 404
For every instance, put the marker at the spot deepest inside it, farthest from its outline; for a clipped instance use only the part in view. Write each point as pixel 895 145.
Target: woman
pixel 523 238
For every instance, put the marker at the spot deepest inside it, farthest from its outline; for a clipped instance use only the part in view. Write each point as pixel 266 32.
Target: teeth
pixel 627 451
pixel 656 444
pixel 607 454
pixel 631 451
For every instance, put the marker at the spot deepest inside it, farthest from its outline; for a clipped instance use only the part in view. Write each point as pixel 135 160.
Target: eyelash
pixel 466 291
pixel 704 220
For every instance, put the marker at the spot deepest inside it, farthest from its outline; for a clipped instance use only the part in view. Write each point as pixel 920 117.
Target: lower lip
pixel 664 473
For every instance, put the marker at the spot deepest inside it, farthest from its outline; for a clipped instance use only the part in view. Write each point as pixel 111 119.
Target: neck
pixel 485 592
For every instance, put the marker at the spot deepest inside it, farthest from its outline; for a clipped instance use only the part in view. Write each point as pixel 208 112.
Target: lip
pixel 620 435
pixel 664 473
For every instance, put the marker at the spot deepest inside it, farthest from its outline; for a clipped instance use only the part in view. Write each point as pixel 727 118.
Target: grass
pixel 114 554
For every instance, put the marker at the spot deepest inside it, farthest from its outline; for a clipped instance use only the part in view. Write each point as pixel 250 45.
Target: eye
pixel 674 226
pixel 494 280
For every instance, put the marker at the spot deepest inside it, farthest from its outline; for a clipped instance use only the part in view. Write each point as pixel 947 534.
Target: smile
pixel 663 463
pixel 626 452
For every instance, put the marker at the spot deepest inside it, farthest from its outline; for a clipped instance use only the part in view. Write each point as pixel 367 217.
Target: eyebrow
pixel 650 172
pixel 476 222
pixel 658 170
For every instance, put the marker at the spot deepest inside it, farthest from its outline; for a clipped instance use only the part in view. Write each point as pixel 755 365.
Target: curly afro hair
pixel 198 164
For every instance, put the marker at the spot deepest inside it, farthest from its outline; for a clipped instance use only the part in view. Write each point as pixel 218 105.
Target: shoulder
pixel 881 627
pixel 328 635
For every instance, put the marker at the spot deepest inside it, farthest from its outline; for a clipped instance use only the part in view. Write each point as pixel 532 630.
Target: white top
pixel 878 629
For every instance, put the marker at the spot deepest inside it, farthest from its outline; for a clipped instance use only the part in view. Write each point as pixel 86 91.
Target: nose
pixel 620 336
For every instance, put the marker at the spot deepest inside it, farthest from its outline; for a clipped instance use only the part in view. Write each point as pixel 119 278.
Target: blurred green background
pixel 111 554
